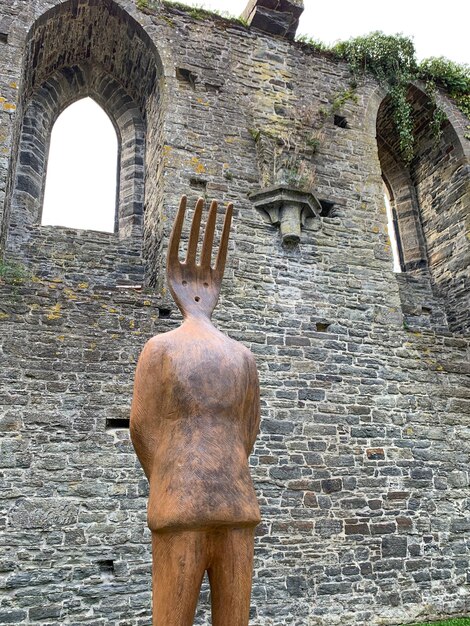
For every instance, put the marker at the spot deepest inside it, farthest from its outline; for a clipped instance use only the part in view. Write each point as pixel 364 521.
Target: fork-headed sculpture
pixel 194 420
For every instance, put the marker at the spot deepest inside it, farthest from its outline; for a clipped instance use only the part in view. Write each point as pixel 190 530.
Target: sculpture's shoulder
pixel 158 346
pixel 243 351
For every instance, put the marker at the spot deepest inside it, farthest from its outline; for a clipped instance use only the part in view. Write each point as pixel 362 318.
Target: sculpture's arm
pixel 145 404
pixel 253 406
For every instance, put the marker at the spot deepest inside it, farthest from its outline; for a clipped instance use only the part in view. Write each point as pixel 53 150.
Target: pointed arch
pixel 430 198
pixel 78 49
pixel 404 203
pixel 80 184
pixel 64 87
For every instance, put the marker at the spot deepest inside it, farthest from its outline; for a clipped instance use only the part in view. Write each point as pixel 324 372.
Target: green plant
pixel 402 113
pixel 313 143
pixel 295 172
pixel 452 77
pixel 319 46
pixel 439 116
pixel 199 12
pixel 13 273
pixel 391 59
pixel 285 159
pixel 464 621
pixel 341 98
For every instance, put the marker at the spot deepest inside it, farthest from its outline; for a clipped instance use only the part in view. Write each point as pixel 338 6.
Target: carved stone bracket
pixel 287 207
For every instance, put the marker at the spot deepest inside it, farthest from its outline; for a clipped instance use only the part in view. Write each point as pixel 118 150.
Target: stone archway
pixel 74 50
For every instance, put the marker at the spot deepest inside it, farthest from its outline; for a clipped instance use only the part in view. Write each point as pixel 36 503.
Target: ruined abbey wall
pixel 361 466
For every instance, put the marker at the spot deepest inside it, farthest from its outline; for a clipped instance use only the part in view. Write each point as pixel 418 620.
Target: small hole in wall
pixel 212 88
pixel 280 110
pixel 206 284
pixel 112 423
pixel 186 76
pixel 185 282
pixel 197 298
pixel 198 184
pixel 426 310
pixel 326 208
pixel 164 313
pixel 341 121
pixel 3 37
pixel 322 327
pixel 106 567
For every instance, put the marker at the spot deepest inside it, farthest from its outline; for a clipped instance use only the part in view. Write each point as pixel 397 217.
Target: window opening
pixel 392 232
pixel 81 181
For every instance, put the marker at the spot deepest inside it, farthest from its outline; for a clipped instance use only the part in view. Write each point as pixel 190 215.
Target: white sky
pixel 90 144
pixel 437 28
pixel 82 169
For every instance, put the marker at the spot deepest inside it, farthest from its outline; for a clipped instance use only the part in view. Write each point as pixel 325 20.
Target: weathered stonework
pixel 361 467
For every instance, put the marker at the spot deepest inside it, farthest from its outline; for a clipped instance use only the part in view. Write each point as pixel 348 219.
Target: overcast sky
pixel 84 138
pixel 437 28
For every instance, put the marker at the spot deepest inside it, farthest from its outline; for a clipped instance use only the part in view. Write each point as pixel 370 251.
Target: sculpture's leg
pixel 179 563
pixel 230 574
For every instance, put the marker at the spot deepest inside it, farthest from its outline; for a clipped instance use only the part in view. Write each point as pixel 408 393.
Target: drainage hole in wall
pixel 326 208
pixel 186 76
pixel 106 567
pixel 163 313
pixel 116 422
pixel 198 184
pixel 322 327
pixel 341 121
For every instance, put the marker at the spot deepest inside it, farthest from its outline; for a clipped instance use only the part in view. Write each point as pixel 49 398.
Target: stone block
pixel 331 485
pixel 277 17
pixel 394 547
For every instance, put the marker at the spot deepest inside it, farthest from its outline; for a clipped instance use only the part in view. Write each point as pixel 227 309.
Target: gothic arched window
pixel 81 181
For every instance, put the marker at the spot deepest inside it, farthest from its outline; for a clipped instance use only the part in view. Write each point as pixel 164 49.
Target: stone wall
pixel 361 466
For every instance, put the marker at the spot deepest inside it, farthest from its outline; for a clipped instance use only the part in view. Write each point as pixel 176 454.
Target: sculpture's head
pixel 194 286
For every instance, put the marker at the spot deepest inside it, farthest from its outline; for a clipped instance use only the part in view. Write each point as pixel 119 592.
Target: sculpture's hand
pixel 196 287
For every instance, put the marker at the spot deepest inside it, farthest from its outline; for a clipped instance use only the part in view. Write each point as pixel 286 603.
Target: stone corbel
pixel 287 208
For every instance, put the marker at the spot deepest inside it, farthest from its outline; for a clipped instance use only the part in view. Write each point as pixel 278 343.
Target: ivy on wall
pixel 454 78
pixel 392 60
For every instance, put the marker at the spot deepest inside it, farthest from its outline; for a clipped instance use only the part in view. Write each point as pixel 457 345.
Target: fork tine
pixel 194 234
pixel 206 253
pixel 175 236
pixel 222 254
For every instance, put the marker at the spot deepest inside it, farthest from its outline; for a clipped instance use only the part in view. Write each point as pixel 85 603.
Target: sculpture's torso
pixel 198 419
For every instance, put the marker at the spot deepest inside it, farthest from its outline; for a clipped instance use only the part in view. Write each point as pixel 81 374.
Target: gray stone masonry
pixel 361 466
